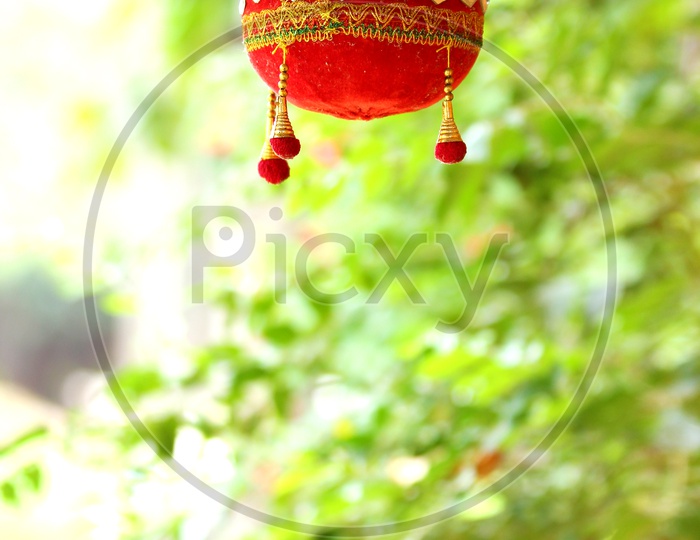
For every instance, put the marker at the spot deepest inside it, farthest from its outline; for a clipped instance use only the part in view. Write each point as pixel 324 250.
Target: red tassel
pixel 450 152
pixel 450 147
pixel 274 170
pixel 283 141
pixel 286 147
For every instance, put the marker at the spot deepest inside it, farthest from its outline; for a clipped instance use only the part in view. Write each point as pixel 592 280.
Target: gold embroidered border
pixel 301 20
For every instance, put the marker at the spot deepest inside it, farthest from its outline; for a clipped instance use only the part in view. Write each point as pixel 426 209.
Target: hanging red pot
pixel 360 59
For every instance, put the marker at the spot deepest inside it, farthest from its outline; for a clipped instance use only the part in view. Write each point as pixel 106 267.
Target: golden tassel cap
pixel 282 126
pixel 448 128
pixel 267 152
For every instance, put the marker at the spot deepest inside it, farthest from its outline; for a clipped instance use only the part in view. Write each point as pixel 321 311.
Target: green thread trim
pixel 391 35
pixel 320 20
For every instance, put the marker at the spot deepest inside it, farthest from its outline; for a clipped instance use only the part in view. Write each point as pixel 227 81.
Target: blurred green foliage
pixel 357 414
pixel 25 480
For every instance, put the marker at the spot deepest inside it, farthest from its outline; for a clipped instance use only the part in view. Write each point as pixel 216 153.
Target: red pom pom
pixel 275 171
pixel 450 152
pixel 285 147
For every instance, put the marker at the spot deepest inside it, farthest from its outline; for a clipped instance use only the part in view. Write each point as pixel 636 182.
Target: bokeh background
pixel 349 414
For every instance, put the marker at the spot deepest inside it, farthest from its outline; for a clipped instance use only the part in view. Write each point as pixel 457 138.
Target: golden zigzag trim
pixel 301 20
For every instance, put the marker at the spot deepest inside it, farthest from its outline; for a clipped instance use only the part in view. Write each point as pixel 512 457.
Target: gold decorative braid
pixel 302 20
